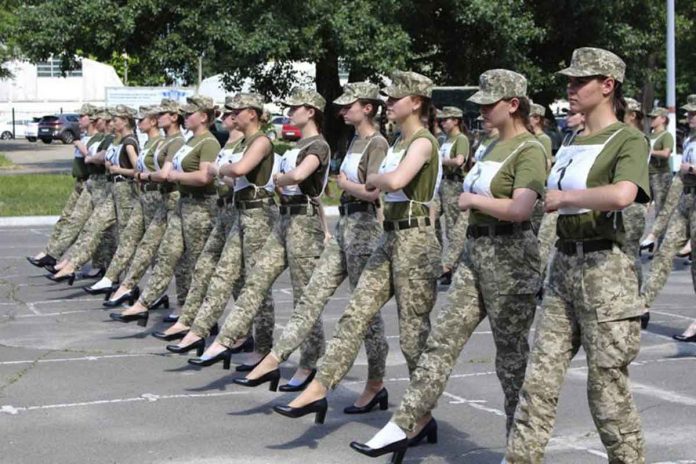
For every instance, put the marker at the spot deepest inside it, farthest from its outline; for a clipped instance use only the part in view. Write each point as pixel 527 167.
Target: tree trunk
pixel 648 91
pixel 329 86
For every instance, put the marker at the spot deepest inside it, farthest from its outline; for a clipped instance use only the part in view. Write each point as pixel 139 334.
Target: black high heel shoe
pixel 429 432
pixel 161 301
pixel 318 407
pixel 198 345
pixel 683 338
pixel 41 262
pixel 170 337
pixel 129 296
pixel 446 278
pixel 644 320
pixel 296 388
pixel 650 246
pixel 271 376
pixel 140 317
pixel 171 318
pixel 69 277
pixel 398 448
pixel 224 356
pixel 101 273
pixel 381 398
pixel 99 291
pixel 51 268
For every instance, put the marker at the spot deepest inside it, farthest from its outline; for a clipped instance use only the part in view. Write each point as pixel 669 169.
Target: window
pixel 51 68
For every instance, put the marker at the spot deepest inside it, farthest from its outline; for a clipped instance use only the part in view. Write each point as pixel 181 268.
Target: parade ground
pixel 75 388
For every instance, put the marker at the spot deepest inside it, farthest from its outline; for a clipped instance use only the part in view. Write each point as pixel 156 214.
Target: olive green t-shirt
pixel 260 174
pixel 483 145
pixel 624 158
pixel 460 146
pixel 661 141
pixel 150 148
pixel 205 149
pixel 375 148
pixel 313 185
pixel 123 159
pixel 80 170
pixel 548 147
pixel 104 143
pixel 526 168
pixel 169 147
pixel 421 189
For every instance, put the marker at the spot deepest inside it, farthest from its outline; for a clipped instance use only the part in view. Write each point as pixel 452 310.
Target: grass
pixel 5 163
pixel 334 192
pixel 34 194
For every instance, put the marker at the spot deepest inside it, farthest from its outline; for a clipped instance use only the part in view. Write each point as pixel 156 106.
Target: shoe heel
pixel 432 436
pixel 320 416
pixel 248 346
pixel 226 361
pixel 71 280
pixel 199 350
pixel 274 384
pixel 398 457
pixel 384 403
pixel 143 322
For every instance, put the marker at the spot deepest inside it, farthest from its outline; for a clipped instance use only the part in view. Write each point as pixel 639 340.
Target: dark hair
pixel 318 118
pixel 211 116
pixel 130 120
pixel 373 114
pixel 522 112
pixel 619 101
pixel 428 112
pixel 179 119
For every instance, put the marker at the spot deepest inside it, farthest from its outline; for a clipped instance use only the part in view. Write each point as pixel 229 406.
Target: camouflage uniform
pixel 546 237
pixel 591 297
pixel 347 253
pixel 405 262
pixel 188 229
pixel 296 242
pixel 659 227
pixel 660 172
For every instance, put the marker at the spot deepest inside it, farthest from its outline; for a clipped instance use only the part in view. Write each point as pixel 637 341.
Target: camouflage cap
pixel 536 109
pixel 690 103
pixel 87 109
pixel 633 105
pixel 354 91
pixel 102 113
pixel 147 111
pixel 449 112
pixel 305 97
pixel 658 111
pixel 167 105
pixel 498 84
pixel 244 100
pixel 588 61
pixel 123 111
pixel 198 103
pixel 405 83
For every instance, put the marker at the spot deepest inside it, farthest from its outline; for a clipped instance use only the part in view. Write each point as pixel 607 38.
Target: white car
pixel 31 130
pixel 19 129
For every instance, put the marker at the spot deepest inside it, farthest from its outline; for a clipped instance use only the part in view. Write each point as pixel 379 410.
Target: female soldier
pixel 357 232
pixel 536 121
pixel 250 164
pixel 455 165
pixel 661 145
pixel 169 119
pixel 296 242
pixel 407 255
pixel 681 226
pixel 146 205
pixel 196 207
pixel 498 274
pixel 68 226
pixel 590 299
pixel 120 162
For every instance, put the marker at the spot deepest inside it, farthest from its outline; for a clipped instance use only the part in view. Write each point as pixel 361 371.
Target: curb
pixel 34 221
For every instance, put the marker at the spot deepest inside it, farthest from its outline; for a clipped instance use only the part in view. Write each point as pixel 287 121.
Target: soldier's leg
pixel 634 225
pixel 73 218
pixel 547 237
pixel 670 204
pixel 124 201
pixel 450 205
pixel 103 217
pixel 127 243
pixel 147 248
pixel 453 327
pixel 456 241
pixel 415 267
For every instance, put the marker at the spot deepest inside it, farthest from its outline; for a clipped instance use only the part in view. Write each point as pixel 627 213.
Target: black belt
pixel 688 190
pixel 254 204
pixel 571 248
pixel 196 195
pixel 406 224
pixel 149 187
pixel 454 176
pixel 658 163
pixel 166 187
pixel 295 209
pixel 98 177
pixel 359 207
pixel 117 178
pixel 294 199
pixel 226 200
pixel 494 230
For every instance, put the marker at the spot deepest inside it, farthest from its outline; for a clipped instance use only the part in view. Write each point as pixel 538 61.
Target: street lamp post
pixel 671 79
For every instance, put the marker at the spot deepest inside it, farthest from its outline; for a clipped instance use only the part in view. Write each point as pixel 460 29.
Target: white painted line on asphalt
pixel 28 221
pixel 149 397
pixel 678 316
pixel 61 313
pixel 33 309
pixel 476 404
pixel 83 358
pixel 64 300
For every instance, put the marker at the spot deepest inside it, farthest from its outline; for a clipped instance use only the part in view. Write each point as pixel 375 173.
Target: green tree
pixel 8 46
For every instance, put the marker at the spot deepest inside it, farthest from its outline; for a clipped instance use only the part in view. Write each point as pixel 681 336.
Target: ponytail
pixel 619 101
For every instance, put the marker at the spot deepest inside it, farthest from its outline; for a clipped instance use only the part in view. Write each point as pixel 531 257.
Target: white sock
pixel 389 434
pixel 103 283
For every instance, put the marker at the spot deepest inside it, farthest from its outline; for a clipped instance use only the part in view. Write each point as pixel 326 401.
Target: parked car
pixel 64 127
pixel 284 129
pixel 31 130
pixel 19 128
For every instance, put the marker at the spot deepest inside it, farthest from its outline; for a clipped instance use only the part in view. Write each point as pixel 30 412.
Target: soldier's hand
pixel 340 179
pixel 173 175
pixel 684 168
pixel 554 200
pixel 466 201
